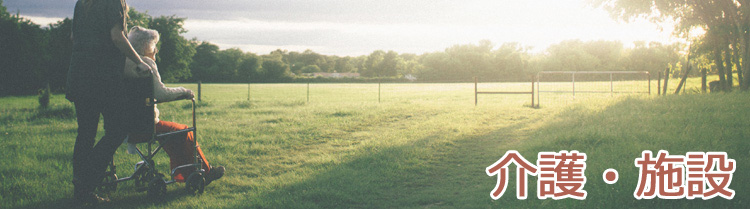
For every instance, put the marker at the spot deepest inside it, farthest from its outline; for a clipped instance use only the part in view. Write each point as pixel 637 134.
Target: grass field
pixel 421 146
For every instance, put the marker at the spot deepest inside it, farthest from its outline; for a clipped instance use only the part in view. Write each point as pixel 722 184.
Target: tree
pixel 435 67
pixel 371 67
pixel 298 61
pixel 175 52
pixel 468 61
pixel 228 62
pixel 310 69
pixel 275 70
pixel 570 56
pixel 460 63
pixel 410 65
pixel 23 55
pixel 3 11
pixel 279 54
pixel 136 18
pixel 328 63
pixel 249 69
pixel 510 60
pixel 60 48
pixel 725 22
pixel 390 65
pixel 606 53
pixel 344 65
pixel 204 62
pixel 653 57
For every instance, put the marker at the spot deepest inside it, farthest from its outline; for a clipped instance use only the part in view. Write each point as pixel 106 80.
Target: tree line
pixel 32 56
pixel 725 46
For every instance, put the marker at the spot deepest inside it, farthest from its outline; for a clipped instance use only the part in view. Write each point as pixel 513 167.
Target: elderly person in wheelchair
pixel 179 151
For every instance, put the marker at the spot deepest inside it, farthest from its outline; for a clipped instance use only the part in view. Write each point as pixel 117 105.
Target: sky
pixel 359 27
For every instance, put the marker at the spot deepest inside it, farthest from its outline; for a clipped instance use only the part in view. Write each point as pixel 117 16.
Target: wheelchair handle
pixel 150 101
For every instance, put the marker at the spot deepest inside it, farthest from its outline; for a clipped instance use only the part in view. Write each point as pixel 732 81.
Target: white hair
pixel 143 39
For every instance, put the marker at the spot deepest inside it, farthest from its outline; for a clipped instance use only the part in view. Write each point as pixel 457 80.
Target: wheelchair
pixel 140 122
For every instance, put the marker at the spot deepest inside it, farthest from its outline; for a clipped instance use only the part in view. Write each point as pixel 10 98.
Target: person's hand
pixel 188 95
pixel 143 69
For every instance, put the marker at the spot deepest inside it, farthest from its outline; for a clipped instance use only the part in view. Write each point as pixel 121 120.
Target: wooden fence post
pixel 703 80
pixel 475 91
pixel 666 81
pixel 199 90
pixel 649 83
pixel 532 91
pixel 658 84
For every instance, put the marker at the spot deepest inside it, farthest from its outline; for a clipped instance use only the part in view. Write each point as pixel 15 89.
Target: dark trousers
pixel 90 160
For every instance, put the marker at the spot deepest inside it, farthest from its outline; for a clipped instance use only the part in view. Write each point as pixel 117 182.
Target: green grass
pixel 421 146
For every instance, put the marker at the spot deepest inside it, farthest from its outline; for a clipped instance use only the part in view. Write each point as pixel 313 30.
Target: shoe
pixel 88 198
pixel 215 173
pixel 83 196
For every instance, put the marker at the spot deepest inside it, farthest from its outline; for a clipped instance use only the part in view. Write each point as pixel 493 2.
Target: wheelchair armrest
pixel 159 102
pixel 162 135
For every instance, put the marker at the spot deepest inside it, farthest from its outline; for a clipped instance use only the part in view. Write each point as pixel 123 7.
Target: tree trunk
pixel 685 71
pixel 746 59
pixel 736 58
pixel 720 66
pixel 684 78
pixel 743 34
pixel 666 81
pixel 703 80
pixel 728 61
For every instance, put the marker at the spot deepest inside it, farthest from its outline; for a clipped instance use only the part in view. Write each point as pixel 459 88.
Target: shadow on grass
pixel 127 199
pixel 425 173
pixel 452 176
pixel 54 112
pixel 57 112
pixel 614 136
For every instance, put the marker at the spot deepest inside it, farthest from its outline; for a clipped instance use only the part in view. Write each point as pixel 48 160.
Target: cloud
pixel 346 27
pixel 345 11
pixel 41 8
pixel 328 36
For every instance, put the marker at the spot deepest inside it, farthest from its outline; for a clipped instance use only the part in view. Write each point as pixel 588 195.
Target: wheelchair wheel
pixel 195 183
pixel 109 183
pixel 157 188
pixel 143 177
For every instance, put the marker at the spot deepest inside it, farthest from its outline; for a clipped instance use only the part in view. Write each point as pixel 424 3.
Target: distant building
pixel 332 75
pixel 410 77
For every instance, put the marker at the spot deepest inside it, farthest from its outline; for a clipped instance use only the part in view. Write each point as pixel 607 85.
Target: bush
pixel 44 95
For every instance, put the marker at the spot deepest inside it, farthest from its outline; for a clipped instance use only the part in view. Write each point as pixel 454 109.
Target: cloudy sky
pixel 358 27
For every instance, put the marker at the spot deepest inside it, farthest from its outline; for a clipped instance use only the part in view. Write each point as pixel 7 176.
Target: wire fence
pixel 466 93
pixel 578 83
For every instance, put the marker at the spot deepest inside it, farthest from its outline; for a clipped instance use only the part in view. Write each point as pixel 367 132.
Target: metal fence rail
pixel 573 82
pixel 477 92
